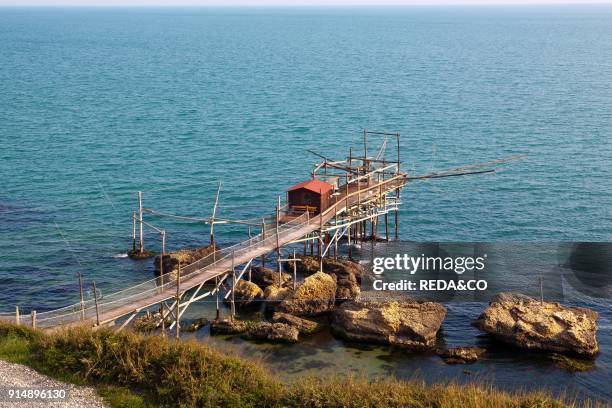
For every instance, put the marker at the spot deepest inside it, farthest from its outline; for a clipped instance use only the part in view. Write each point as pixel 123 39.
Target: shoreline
pixel 208 377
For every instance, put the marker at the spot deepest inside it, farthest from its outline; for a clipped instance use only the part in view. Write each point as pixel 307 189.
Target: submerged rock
pixel 405 322
pixel 302 325
pixel 316 295
pixel 528 323
pixel 264 277
pixel 272 332
pixel 195 325
pixel 463 355
pixel 228 326
pixel 573 365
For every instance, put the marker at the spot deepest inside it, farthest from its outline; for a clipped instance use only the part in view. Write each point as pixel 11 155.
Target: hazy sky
pixel 280 2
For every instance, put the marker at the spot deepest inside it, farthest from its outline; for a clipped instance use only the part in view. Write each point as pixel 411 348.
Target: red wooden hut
pixel 311 195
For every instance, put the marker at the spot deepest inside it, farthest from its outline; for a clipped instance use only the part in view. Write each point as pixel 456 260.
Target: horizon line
pixel 311 4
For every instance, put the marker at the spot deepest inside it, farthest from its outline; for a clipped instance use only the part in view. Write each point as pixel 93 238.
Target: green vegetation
pixel 132 370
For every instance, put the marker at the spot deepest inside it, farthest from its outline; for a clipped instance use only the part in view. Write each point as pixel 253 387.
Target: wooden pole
pixel 163 322
pixel 81 295
pixel 398 153
pixel 134 232
pixel 250 264
pixel 278 250
pixel 140 219
pixel 233 288
pixel 214 213
pixel 365 149
pixel 17 318
pixel 178 302
pixel 386 228
pixel 33 319
pixel 294 269
pixel 161 258
pixel 263 238
pixel 350 160
pixel 397 197
pixel 95 295
pixel 217 293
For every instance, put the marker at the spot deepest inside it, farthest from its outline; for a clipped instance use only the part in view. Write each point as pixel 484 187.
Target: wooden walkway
pixel 292 228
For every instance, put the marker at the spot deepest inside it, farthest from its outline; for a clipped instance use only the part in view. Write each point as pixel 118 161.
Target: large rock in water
pixel 405 322
pixel 347 274
pixel 246 293
pixel 316 295
pixel 525 322
pixel 264 277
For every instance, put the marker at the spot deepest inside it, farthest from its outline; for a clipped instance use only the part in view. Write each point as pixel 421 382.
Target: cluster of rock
pixel 511 318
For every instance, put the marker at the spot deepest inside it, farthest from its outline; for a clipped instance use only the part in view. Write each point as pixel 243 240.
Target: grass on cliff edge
pixel 131 370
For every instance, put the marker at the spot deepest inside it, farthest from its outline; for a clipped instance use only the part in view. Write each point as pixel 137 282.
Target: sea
pixel 97 104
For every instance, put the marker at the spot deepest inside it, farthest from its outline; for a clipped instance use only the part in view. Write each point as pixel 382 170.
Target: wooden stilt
pixel 33 319
pixel 263 238
pixel 17 317
pixel 350 246
pixel 134 232
pixel 278 249
pixel 81 295
pixel 163 322
pixel 294 270
pixel 95 295
pixel 140 219
pixel 177 317
pixel 386 228
pixel 218 314
pixel 214 213
pixel 233 304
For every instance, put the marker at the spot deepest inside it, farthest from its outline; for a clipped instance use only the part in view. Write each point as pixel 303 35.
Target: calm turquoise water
pixel 97 104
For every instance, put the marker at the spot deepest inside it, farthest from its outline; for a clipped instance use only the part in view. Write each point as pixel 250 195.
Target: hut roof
pixel 316 186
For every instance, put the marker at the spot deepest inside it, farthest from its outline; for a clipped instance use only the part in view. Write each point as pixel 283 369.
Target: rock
pixel 273 332
pixel 316 295
pixel 310 265
pixel 405 322
pixel 525 322
pixel 276 294
pixel 347 287
pixel 246 293
pixel 228 327
pixel 304 326
pixel 147 322
pixel 264 277
pixel 462 355
pixel 347 274
pixel 195 325
pixel 573 365
pixel 184 256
